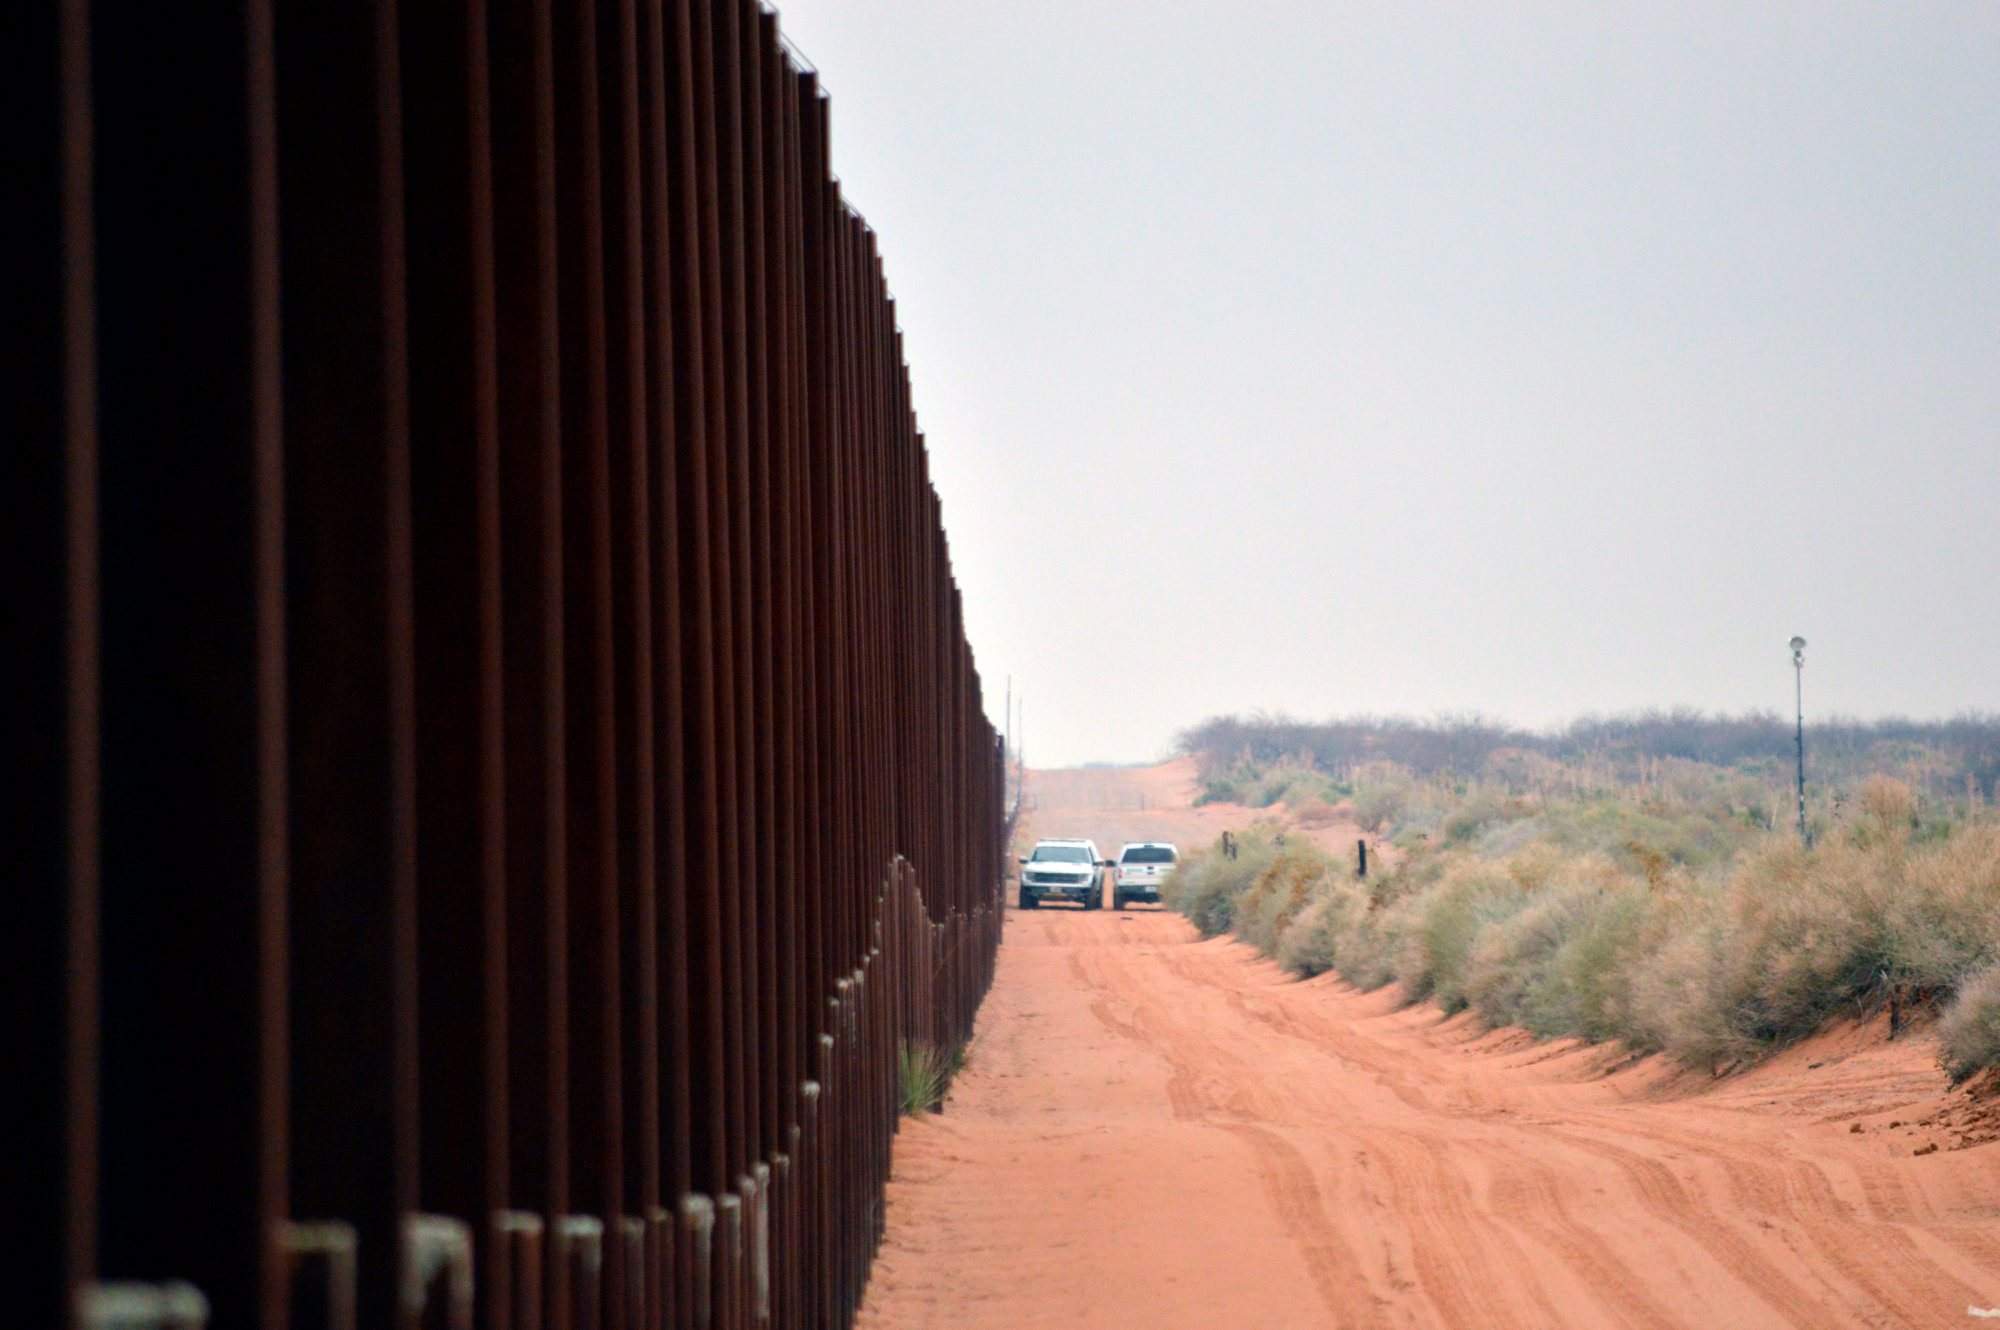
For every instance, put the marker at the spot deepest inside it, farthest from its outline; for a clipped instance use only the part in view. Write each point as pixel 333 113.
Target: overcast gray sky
pixel 1533 359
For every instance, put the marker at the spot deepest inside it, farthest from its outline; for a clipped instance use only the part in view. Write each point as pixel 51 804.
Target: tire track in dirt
pixel 1807 1204
pixel 1666 1200
pixel 1337 1273
pixel 1162 1131
pixel 1288 1181
pixel 1897 1282
pixel 1459 1277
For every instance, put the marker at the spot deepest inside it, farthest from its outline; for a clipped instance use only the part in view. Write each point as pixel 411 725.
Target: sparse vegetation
pixel 1293 782
pixel 924 1074
pixel 1661 901
pixel 1939 760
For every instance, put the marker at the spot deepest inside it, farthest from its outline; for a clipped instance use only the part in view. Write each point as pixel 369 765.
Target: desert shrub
pixel 1366 953
pixel 1592 993
pixel 1332 932
pixel 1219 788
pixel 1680 994
pixel 1506 973
pixel 1969 1034
pixel 1278 893
pixel 1306 948
pixel 1662 915
pixel 1944 917
pixel 1794 937
pixel 1640 836
pixel 1439 926
pixel 1205 885
pixel 1512 838
pixel 1808 938
pixel 1886 807
pixel 1475 813
pixel 1294 785
pixel 1379 802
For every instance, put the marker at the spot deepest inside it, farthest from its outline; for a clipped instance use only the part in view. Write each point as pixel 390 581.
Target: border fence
pixel 498 768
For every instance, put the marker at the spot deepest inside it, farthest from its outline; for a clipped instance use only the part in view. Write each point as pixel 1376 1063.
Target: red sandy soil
pixel 1156 1131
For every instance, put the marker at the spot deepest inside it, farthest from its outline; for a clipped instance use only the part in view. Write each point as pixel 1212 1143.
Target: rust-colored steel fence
pixel 498 770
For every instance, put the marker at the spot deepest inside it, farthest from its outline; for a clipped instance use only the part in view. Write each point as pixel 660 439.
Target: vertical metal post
pixel 1798 645
pixel 696 341
pixel 456 555
pixel 528 353
pixel 193 837
pixel 48 408
pixel 630 519
pixel 592 703
pixel 474 653
pixel 665 321
pixel 352 913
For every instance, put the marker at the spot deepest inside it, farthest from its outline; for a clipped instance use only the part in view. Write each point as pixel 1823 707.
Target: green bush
pixel 924 1074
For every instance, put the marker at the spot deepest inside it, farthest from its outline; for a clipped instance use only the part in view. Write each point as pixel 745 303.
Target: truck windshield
pixel 1060 854
pixel 1149 854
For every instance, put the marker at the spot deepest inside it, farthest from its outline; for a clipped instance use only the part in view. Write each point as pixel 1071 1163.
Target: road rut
pixel 1160 1131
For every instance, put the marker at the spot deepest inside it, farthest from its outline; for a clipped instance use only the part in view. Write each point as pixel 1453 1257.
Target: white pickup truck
pixel 1141 867
pixel 1063 870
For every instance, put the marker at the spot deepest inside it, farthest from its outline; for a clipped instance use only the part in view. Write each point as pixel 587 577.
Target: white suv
pixel 1063 870
pixel 1141 867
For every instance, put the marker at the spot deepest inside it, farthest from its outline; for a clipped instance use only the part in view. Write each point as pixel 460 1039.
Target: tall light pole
pixel 1799 693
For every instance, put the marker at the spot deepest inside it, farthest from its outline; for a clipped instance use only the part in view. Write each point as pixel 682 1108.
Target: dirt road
pixel 1156 1131
pixel 1119 804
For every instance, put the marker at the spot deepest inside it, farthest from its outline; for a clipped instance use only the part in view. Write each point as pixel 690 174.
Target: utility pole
pixel 1799 696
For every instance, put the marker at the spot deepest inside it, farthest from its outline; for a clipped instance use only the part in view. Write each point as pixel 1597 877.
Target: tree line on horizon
pixel 1956 752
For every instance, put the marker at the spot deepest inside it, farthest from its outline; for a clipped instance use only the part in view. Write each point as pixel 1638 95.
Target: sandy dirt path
pixel 1157 1131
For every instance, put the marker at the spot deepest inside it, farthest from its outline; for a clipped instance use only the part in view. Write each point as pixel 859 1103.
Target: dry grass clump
pixel 1279 892
pixel 1663 927
pixel 1340 929
pixel 1206 883
pixel 1559 964
pixel 1440 927
pixel 1945 918
pixel 924 1074
pixel 1969 1034
pixel 1379 801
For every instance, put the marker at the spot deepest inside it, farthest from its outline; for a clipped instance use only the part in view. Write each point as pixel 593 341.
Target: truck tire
pixel 1027 902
